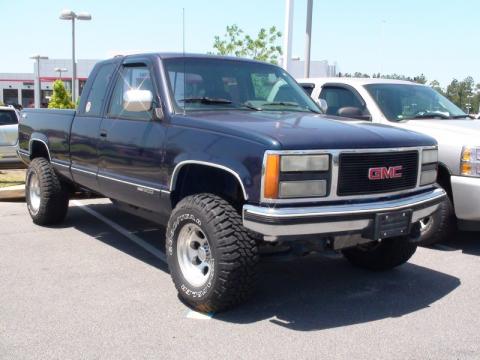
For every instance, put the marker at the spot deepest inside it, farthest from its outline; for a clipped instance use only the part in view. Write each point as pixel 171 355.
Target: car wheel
pixel 211 257
pixel 47 198
pixel 439 226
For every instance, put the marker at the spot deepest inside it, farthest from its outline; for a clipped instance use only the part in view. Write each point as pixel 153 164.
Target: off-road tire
pixel 234 253
pixel 385 255
pixel 54 196
pixel 441 225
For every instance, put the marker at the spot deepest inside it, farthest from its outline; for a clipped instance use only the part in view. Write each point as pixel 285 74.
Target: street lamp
pixel 70 15
pixel 38 91
pixel 59 71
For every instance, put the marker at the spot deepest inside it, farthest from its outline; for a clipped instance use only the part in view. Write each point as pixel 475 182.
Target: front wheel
pixel 384 255
pixel 211 257
pixel 439 226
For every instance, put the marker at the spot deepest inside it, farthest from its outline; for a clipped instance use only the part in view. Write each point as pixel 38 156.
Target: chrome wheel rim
pixel 194 255
pixel 426 224
pixel 34 193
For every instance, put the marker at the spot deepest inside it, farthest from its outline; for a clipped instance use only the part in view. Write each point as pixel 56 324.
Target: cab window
pixel 131 77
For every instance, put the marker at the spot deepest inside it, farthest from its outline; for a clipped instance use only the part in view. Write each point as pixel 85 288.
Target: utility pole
pixel 70 15
pixel 287 36
pixel 37 93
pixel 308 38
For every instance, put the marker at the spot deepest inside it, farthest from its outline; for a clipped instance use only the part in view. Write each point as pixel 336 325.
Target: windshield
pixel 219 84
pixel 402 102
pixel 8 117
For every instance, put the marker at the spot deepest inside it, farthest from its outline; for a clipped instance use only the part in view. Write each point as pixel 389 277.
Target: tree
pixel 236 42
pixel 60 99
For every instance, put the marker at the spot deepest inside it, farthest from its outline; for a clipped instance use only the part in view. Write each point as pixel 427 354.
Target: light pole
pixel 308 39
pixel 70 15
pixel 59 71
pixel 38 88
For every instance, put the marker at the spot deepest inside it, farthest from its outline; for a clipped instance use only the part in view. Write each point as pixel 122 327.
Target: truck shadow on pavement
pixel 467 242
pixel 305 294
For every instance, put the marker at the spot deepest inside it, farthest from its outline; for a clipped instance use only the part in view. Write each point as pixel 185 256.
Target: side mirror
pixel 353 112
pixel 322 103
pixel 137 100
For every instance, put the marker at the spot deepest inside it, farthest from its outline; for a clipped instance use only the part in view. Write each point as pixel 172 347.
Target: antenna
pixel 184 73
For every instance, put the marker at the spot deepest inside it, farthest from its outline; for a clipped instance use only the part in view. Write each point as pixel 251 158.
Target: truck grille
pixel 353 175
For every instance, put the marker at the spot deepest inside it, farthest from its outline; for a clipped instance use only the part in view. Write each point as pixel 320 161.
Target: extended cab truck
pixel 195 142
pixel 420 108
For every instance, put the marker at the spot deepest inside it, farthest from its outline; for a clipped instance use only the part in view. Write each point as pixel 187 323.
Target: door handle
pixel 103 133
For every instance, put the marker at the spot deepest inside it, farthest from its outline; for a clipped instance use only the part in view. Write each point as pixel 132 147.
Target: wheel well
pixel 39 149
pixel 443 179
pixel 194 179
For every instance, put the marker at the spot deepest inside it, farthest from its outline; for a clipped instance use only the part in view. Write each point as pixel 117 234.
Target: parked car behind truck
pixel 418 107
pixel 197 143
pixel 9 138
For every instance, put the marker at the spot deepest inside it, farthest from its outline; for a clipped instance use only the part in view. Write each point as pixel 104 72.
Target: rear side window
pixel 308 88
pixel 337 98
pixel 8 117
pixel 98 91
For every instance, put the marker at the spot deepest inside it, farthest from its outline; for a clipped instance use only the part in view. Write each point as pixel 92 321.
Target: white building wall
pixel 25 81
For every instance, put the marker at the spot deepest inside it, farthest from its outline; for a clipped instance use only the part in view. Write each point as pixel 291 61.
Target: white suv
pixel 420 108
pixel 9 138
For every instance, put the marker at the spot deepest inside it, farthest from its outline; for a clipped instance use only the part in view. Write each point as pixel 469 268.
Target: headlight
pixel 296 176
pixel 296 163
pixel 470 161
pixel 429 156
pixel 429 167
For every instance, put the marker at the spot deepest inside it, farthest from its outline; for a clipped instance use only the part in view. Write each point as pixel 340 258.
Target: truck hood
pixel 300 131
pixel 460 132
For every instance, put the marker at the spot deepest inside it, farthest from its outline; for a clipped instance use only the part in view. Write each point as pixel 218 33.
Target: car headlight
pixel 429 166
pixel 470 161
pixel 296 176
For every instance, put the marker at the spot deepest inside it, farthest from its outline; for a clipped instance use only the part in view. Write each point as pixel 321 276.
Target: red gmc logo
pixel 381 173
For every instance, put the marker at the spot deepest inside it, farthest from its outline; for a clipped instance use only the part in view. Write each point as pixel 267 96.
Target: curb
pixel 12 192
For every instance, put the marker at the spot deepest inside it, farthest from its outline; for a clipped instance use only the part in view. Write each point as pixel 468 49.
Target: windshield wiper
pixel 460 116
pixel 431 116
pixel 205 100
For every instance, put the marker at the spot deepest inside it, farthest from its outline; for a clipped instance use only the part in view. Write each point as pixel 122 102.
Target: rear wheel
pixel 47 198
pixel 384 255
pixel 211 257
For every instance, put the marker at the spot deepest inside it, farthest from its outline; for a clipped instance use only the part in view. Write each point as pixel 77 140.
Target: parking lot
pixel 98 287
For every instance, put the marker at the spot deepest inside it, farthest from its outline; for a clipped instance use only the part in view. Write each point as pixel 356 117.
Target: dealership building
pixel 19 88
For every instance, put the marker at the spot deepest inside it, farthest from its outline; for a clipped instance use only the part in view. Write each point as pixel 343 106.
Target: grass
pixel 11 178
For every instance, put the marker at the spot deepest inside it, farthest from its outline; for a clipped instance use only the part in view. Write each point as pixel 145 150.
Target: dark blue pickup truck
pixel 232 155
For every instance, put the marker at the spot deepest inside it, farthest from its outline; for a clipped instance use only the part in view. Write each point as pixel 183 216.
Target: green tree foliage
pixel 61 99
pixel 235 42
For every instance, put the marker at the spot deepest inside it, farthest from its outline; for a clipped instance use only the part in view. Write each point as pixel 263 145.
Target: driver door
pixel 131 143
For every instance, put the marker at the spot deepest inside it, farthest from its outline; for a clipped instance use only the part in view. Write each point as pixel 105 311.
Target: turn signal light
pixel 272 172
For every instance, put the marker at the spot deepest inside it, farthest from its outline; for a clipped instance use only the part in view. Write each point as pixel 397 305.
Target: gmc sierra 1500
pixel 230 154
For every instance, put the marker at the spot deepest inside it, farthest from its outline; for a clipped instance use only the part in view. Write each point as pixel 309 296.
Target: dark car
pixel 231 154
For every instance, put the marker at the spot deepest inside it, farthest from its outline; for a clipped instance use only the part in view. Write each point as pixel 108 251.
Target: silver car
pixel 9 138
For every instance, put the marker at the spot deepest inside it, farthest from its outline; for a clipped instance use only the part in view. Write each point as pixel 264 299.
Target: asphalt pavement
pixel 98 287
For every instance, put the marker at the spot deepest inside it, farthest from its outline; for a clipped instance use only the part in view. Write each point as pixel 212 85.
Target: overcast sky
pixel 437 38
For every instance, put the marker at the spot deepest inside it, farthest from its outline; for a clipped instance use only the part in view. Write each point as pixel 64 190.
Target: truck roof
pixel 169 55
pixel 354 81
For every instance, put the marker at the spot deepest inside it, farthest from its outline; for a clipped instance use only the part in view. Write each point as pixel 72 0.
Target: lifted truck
pixel 200 144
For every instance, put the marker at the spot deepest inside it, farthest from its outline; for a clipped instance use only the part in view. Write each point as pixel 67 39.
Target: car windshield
pixel 404 102
pixel 219 84
pixel 8 117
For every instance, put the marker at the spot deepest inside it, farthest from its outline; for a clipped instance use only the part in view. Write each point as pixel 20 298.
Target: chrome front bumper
pixel 336 219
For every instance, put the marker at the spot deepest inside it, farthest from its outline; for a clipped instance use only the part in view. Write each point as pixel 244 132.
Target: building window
pixel 10 96
pixel 28 98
